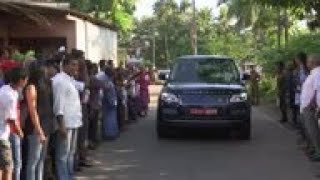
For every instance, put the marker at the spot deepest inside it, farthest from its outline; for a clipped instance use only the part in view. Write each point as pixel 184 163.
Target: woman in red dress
pixel 143 80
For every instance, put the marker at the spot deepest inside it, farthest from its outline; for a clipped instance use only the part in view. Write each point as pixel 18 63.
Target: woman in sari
pixel 109 104
pixel 143 80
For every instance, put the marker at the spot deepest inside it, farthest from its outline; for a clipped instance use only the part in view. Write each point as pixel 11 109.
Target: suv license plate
pixel 207 112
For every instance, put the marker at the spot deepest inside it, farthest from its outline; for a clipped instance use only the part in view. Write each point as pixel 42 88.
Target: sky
pixel 145 7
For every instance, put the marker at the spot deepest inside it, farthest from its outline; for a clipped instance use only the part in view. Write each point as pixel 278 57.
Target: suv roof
pixel 204 57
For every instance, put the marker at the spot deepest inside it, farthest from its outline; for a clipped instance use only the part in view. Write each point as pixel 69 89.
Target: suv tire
pixel 245 130
pixel 162 131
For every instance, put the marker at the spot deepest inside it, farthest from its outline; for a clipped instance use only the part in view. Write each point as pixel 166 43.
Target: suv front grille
pixel 204 99
pixel 207 92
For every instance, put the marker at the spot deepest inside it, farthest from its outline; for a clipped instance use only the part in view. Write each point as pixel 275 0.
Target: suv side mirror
pixel 163 77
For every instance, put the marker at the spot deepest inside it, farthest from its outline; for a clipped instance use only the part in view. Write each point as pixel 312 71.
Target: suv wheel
pixel 245 131
pixel 162 131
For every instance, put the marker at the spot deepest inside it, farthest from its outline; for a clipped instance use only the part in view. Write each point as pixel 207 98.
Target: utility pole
pixel 194 30
pixel 154 49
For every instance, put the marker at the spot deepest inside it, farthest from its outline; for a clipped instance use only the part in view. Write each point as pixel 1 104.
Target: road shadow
pixel 204 135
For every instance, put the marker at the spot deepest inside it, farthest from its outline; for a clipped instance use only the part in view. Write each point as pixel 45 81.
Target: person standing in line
pixel 300 74
pixel 101 76
pixel 15 140
pixel 291 75
pixel 40 122
pixel 310 100
pixel 144 82
pixel 119 82
pixel 52 69
pixel 9 98
pixel 95 106
pixel 282 91
pixel 132 96
pixel 110 64
pixel 67 109
pixel 254 85
pixel 82 84
pixel 109 107
pixel 102 66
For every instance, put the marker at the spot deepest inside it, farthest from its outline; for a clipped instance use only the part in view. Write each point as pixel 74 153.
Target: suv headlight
pixel 169 98
pixel 239 97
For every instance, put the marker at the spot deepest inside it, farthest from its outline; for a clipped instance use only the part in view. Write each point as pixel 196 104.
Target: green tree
pixel 309 9
pixel 118 12
pixel 172 22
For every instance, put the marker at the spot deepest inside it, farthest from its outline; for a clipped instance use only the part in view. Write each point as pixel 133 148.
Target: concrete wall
pixel 114 37
pixel 96 41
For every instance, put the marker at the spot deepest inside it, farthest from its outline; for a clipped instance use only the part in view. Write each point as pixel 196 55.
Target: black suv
pixel 204 92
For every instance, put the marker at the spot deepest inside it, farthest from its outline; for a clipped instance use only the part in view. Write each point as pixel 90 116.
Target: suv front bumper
pixel 231 115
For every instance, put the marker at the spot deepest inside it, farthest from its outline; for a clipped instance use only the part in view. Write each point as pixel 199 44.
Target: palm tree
pixel 254 16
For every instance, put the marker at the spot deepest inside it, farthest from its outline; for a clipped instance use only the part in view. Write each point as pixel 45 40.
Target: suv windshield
pixel 210 70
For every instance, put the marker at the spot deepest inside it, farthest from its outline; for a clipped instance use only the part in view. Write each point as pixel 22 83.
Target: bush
pixel 268 87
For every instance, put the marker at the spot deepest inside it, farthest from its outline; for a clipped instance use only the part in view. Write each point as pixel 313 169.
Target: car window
pixel 209 70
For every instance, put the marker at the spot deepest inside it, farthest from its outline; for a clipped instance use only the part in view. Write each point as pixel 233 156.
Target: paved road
pixel 272 154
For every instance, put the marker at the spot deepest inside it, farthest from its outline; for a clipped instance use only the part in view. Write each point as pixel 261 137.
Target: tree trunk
pixel 286 29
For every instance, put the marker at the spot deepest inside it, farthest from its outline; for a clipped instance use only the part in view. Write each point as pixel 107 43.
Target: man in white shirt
pixel 310 100
pixel 67 108
pixel 9 116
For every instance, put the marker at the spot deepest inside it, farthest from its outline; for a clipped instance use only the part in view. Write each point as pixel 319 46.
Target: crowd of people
pixel 299 99
pixel 53 111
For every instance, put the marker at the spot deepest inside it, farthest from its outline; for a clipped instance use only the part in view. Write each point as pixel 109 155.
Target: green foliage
pixel 268 87
pixel 308 43
pixel 118 12
pixel 172 24
pixel 171 27
pixel 22 57
pixel 309 9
